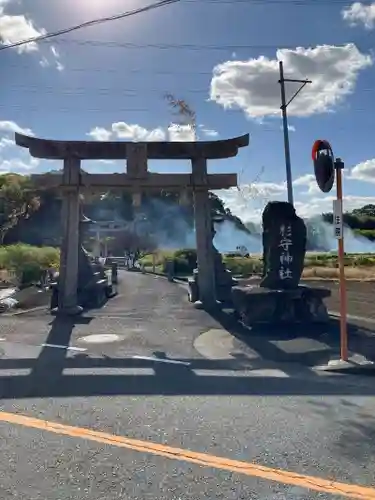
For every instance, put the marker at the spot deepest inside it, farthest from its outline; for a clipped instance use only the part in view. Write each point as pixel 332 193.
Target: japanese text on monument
pixel 286 258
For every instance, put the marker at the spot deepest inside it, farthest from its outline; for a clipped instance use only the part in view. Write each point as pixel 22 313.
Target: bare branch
pixel 182 110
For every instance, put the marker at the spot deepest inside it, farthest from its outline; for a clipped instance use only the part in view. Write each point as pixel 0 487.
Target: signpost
pixel 337 220
pixel 325 167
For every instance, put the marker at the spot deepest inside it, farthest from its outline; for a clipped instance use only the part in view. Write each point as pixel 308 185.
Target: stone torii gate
pixel 137 179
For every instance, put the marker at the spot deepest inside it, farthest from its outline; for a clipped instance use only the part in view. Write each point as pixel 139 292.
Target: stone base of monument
pixel 93 295
pixel 257 305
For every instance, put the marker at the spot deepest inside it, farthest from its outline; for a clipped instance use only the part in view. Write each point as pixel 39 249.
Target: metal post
pixel 339 165
pixel 284 106
pixel 288 167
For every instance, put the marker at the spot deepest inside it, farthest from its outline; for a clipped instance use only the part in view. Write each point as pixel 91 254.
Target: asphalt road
pixel 183 425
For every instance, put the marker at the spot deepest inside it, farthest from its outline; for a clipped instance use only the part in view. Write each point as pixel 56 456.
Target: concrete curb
pixel 176 279
pixel 336 314
pixel 350 367
pixel 25 311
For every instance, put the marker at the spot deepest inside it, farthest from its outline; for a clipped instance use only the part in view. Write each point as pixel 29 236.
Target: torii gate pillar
pixel 203 231
pixel 70 213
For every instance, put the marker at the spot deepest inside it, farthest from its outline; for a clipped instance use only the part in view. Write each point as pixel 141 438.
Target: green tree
pixel 18 200
pixel 366 211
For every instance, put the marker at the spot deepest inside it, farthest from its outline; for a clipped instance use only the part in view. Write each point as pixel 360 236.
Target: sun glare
pixel 106 7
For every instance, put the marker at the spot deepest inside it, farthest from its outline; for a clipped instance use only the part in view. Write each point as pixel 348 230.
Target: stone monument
pixel 284 246
pixel 280 297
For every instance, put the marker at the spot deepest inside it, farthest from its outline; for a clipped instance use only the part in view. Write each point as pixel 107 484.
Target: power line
pixel 75 110
pixel 118 69
pixel 87 24
pixel 104 109
pixel 79 91
pixel 282 3
pixel 181 46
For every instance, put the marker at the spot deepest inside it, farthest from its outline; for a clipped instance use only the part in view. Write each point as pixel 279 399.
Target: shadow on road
pixel 356 430
pixel 47 377
pixel 306 345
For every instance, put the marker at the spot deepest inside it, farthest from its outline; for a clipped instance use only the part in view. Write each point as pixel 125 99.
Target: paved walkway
pixel 167 379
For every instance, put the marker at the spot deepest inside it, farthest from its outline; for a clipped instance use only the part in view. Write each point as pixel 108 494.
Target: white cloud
pixel 136 133
pixel 248 201
pixel 5 142
pixel 44 62
pixel 360 14
pixel 17 165
pixel 209 132
pixel 307 180
pixel 54 51
pixel 133 132
pixel 11 127
pixel 15 28
pixel 180 133
pixel 291 128
pixel 364 171
pixel 106 162
pixel 59 66
pixel 253 85
pixel 56 58
pixel 100 134
pixel 321 204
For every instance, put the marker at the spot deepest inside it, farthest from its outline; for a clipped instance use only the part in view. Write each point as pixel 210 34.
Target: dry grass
pixel 318 266
pixel 332 273
pixel 7 277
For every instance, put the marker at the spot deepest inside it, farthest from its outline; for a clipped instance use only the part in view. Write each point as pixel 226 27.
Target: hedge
pixel 28 262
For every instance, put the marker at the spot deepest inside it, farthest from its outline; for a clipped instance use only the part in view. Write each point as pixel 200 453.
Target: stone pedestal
pixel 92 283
pixel 224 281
pixel 257 305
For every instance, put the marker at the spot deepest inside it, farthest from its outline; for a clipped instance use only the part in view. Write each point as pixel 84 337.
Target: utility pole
pixel 284 105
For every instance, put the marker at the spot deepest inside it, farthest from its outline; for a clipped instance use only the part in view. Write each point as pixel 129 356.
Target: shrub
pixel 243 266
pixel 188 254
pixel 27 261
pixel 181 266
pixel 363 260
pixel 31 273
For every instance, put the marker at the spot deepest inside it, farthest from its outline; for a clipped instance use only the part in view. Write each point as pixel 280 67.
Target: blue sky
pixel 221 57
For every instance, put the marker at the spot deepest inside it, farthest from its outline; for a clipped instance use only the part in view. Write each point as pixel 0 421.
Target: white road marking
pixel 162 360
pixel 68 348
pixel 105 371
pixel 15 372
pixel 264 372
pixel 103 338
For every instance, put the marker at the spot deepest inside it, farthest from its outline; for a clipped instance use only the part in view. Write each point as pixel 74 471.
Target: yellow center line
pixel 203 459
